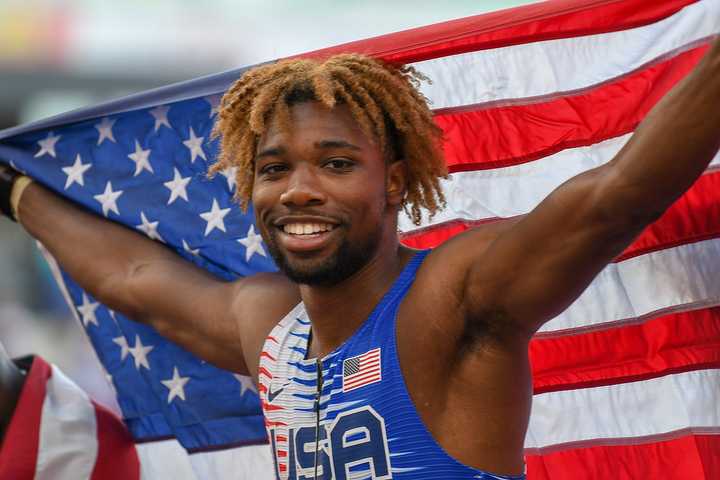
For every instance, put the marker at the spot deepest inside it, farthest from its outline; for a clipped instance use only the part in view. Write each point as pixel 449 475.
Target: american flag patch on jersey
pixel 361 370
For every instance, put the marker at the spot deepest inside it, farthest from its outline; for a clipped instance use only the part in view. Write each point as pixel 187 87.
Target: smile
pixel 307 228
pixel 304 237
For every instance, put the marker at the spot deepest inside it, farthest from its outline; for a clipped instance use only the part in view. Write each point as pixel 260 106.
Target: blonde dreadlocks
pixel 383 99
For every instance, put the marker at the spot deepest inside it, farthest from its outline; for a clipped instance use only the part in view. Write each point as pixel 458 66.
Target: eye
pixel 273 169
pixel 340 164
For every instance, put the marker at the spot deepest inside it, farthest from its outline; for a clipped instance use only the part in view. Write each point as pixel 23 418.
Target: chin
pixel 328 270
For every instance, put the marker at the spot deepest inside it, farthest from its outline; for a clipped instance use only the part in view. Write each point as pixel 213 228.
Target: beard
pixel 338 266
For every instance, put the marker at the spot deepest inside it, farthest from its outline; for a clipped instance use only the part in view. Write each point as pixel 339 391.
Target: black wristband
pixel 7 180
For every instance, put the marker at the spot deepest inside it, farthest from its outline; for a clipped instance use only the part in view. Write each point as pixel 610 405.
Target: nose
pixel 302 188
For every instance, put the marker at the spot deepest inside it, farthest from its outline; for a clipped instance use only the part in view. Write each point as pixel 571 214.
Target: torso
pixel 369 424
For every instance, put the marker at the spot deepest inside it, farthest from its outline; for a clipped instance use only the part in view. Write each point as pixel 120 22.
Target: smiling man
pixel 374 360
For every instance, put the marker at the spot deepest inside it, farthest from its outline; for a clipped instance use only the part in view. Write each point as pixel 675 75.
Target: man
pixel 387 363
pixel 49 428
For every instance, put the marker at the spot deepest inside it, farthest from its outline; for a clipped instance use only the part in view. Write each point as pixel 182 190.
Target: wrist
pixel 7 180
pixel 18 188
pixel 12 186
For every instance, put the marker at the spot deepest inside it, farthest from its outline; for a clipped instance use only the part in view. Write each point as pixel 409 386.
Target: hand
pixel 7 180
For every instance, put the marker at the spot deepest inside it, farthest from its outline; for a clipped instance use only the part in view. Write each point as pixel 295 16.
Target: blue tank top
pixel 365 425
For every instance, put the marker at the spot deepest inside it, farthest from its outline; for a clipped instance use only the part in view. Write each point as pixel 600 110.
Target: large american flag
pixel 626 381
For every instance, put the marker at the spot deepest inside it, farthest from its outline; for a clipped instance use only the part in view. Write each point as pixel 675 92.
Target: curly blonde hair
pixel 383 99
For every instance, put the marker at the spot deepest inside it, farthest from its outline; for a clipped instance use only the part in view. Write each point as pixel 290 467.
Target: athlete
pixel 374 360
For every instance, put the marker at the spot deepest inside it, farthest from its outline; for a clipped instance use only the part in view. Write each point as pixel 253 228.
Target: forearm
pixel 673 146
pixel 98 254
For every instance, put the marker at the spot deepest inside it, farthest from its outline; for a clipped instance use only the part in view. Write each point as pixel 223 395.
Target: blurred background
pixel 59 55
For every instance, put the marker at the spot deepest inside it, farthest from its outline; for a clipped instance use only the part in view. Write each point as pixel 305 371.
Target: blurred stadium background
pixel 59 55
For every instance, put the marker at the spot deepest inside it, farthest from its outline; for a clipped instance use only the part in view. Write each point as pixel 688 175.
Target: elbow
pixel 122 290
pixel 625 206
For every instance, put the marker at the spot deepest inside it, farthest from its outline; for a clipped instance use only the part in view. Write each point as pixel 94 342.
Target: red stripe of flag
pixel 116 456
pixel 525 24
pixel 668 344
pixel 18 459
pixel 535 130
pixel 687 457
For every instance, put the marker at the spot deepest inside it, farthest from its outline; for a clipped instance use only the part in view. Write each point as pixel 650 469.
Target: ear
pixel 396 182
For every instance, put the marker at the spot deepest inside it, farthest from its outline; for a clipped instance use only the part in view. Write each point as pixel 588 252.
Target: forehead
pixel 312 121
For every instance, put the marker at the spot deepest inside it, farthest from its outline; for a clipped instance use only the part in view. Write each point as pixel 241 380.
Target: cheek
pixel 262 196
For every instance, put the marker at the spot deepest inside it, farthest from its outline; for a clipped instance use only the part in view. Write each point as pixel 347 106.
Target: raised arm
pixel 534 270
pixel 151 284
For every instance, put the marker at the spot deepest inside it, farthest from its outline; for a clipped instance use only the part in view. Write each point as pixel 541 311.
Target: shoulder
pixel 259 303
pixel 436 305
pixel 446 267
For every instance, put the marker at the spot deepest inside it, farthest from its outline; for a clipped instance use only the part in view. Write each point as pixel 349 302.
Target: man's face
pixel 320 194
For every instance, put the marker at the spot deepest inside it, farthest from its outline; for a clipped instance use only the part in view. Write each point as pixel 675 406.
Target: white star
pixel 141 158
pixel 176 385
pixel 214 101
pixel 87 310
pixel 195 145
pixel 160 114
pixel 47 145
pixel 124 348
pixel 140 352
pixel 246 383
pixel 177 187
pixel 108 199
pixel 105 130
pixel 230 174
pixel 253 244
pixel 75 172
pixel 214 217
pixel 149 228
pixel 187 248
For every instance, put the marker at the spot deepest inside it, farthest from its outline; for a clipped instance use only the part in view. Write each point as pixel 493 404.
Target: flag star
pixel 140 352
pixel 187 248
pixel 160 115
pixel 87 311
pixel 176 385
pixel 141 158
pixel 105 130
pixel 75 172
pixel 124 348
pixel 253 244
pixel 108 199
pixel 214 101
pixel 194 143
pixel 149 228
pixel 215 217
pixel 47 145
pixel 230 174
pixel 177 187
pixel 246 383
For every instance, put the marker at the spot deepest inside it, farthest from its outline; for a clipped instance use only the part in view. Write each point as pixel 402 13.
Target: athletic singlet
pixel 368 426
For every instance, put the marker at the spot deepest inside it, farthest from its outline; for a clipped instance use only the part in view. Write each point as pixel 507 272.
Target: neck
pixel 338 311
pixel 11 383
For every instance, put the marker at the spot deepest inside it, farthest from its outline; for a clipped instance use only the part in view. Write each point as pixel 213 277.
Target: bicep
pixel 534 270
pixel 186 305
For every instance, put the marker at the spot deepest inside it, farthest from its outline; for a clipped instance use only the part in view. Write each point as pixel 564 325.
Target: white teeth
pixel 306 228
